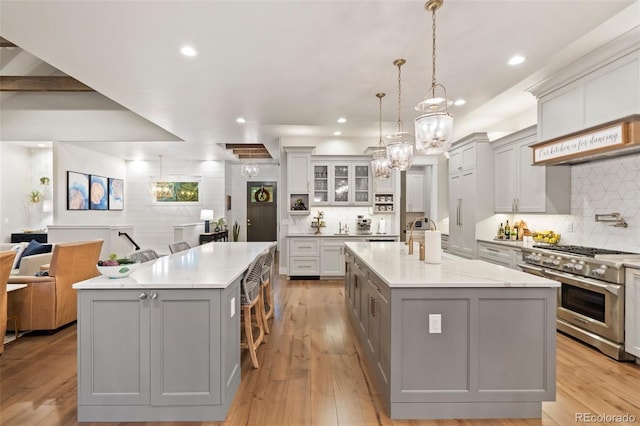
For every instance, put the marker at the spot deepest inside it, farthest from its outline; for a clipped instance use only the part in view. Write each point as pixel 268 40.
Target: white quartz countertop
pixel 398 269
pixel 350 235
pixel 212 265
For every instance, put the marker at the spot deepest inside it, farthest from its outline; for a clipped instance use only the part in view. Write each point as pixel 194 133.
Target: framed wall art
pixel 175 190
pixel 116 194
pixel 77 191
pixel 97 192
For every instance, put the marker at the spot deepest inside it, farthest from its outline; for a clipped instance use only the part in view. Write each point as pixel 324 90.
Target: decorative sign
pixel 574 146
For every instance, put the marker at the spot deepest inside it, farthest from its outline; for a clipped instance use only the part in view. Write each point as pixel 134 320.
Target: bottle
pixel 501 231
pixel 514 233
pixel 507 231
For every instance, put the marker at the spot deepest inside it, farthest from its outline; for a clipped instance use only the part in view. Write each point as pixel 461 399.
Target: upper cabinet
pixel 298 179
pixel 298 161
pixel 341 183
pixel 520 187
pixel 601 87
pixel 415 193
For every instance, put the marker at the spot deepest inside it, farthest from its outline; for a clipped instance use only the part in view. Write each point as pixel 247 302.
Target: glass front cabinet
pixel 341 183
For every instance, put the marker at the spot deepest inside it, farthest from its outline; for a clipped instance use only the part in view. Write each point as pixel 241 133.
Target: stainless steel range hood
pixel 612 139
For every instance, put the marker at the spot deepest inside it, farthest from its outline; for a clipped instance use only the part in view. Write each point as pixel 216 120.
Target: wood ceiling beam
pixel 42 84
pixel 6 43
pixel 250 151
pixel 254 156
pixel 244 146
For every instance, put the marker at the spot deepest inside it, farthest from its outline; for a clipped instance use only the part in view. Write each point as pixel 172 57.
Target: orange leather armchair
pixel 51 301
pixel 6 263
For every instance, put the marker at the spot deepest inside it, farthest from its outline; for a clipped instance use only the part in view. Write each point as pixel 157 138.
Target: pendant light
pixel 400 147
pixel 380 163
pixel 434 128
pixel 249 168
pixel 160 189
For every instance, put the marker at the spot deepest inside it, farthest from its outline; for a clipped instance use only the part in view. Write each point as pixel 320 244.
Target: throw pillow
pixel 19 249
pixel 34 247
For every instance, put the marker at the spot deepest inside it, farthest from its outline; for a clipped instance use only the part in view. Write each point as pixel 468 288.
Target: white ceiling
pixel 290 68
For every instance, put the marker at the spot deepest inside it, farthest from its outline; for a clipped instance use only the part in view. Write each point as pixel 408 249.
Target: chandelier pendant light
pixel 249 168
pixel 161 189
pixel 379 162
pixel 400 147
pixel 434 128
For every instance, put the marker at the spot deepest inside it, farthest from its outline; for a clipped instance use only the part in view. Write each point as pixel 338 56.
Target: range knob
pixel 579 266
pixel 599 272
pixel 571 265
pixel 556 262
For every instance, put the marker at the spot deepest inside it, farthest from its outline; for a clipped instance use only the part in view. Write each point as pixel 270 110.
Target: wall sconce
pixel 206 215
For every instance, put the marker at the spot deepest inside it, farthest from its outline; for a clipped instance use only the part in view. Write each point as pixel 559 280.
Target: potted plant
pixel 235 232
pixel 35 196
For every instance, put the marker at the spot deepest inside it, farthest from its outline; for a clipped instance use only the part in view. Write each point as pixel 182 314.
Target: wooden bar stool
pixel 267 288
pixel 251 300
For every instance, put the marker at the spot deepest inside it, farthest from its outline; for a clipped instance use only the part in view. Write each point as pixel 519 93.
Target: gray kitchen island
pixel 164 343
pixel 460 339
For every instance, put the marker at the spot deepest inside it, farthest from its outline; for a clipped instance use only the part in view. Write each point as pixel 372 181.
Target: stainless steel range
pixel 591 297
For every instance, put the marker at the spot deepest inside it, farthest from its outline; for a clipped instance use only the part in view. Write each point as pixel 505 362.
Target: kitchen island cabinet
pixel 632 311
pixel 164 343
pixel 461 339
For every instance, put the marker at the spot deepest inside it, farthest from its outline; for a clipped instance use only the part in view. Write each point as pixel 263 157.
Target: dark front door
pixel 261 211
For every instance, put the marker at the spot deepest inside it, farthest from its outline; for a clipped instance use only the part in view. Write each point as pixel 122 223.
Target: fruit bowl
pixel 118 271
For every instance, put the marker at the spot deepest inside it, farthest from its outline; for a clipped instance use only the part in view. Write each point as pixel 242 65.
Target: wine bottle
pixel 507 231
pixel 501 231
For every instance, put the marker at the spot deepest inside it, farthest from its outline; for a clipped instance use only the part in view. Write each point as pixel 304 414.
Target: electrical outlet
pixel 570 227
pixel 435 323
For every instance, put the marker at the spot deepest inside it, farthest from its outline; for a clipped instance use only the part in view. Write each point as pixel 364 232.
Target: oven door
pixel 595 306
pixel 533 270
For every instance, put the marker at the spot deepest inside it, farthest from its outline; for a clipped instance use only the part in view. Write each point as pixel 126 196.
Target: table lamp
pixel 206 215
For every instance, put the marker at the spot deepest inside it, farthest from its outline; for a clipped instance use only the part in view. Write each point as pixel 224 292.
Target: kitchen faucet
pixel 413 224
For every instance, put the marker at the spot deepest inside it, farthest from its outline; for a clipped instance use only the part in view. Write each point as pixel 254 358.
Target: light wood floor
pixel 312 373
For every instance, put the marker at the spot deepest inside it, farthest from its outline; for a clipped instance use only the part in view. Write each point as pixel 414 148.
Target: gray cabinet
pixel 500 254
pixel 600 87
pixel 133 360
pixel 341 183
pixel 523 188
pixel 470 200
pixel 473 367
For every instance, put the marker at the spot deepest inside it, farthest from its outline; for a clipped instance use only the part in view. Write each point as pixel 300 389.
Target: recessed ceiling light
pixel 459 102
pixel 41 145
pixel 337 133
pixel 342 120
pixel 240 120
pixel 516 60
pixel 188 51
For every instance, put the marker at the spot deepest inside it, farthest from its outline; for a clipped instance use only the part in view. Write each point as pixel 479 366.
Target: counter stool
pixel 251 299
pixel 267 288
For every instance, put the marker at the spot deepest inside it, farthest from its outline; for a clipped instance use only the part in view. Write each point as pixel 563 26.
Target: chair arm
pixel 25 279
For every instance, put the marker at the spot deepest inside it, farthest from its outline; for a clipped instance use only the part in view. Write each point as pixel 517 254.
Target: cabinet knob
pixel 142 296
pixel 154 295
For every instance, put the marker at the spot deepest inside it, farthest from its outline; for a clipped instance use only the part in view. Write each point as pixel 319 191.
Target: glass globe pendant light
pixel 249 168
pixel 159 189
pixel 434 128
pixel 400 147
pixel 380 163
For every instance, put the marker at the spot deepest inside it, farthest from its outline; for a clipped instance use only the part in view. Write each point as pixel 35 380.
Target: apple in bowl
pixel 117 268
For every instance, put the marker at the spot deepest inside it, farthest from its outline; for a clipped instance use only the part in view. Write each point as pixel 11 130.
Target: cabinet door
pixel 298 172
pixel 113 327
pixel 467 213
pixel 505 178
pixel 182 319
pixel 386 186
pixel 361 184
pixel 415 193
pixel 332 260
pixel 340 183
pixel 455 220
pixel 632 312
pixel 321 184
pixel 532 191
